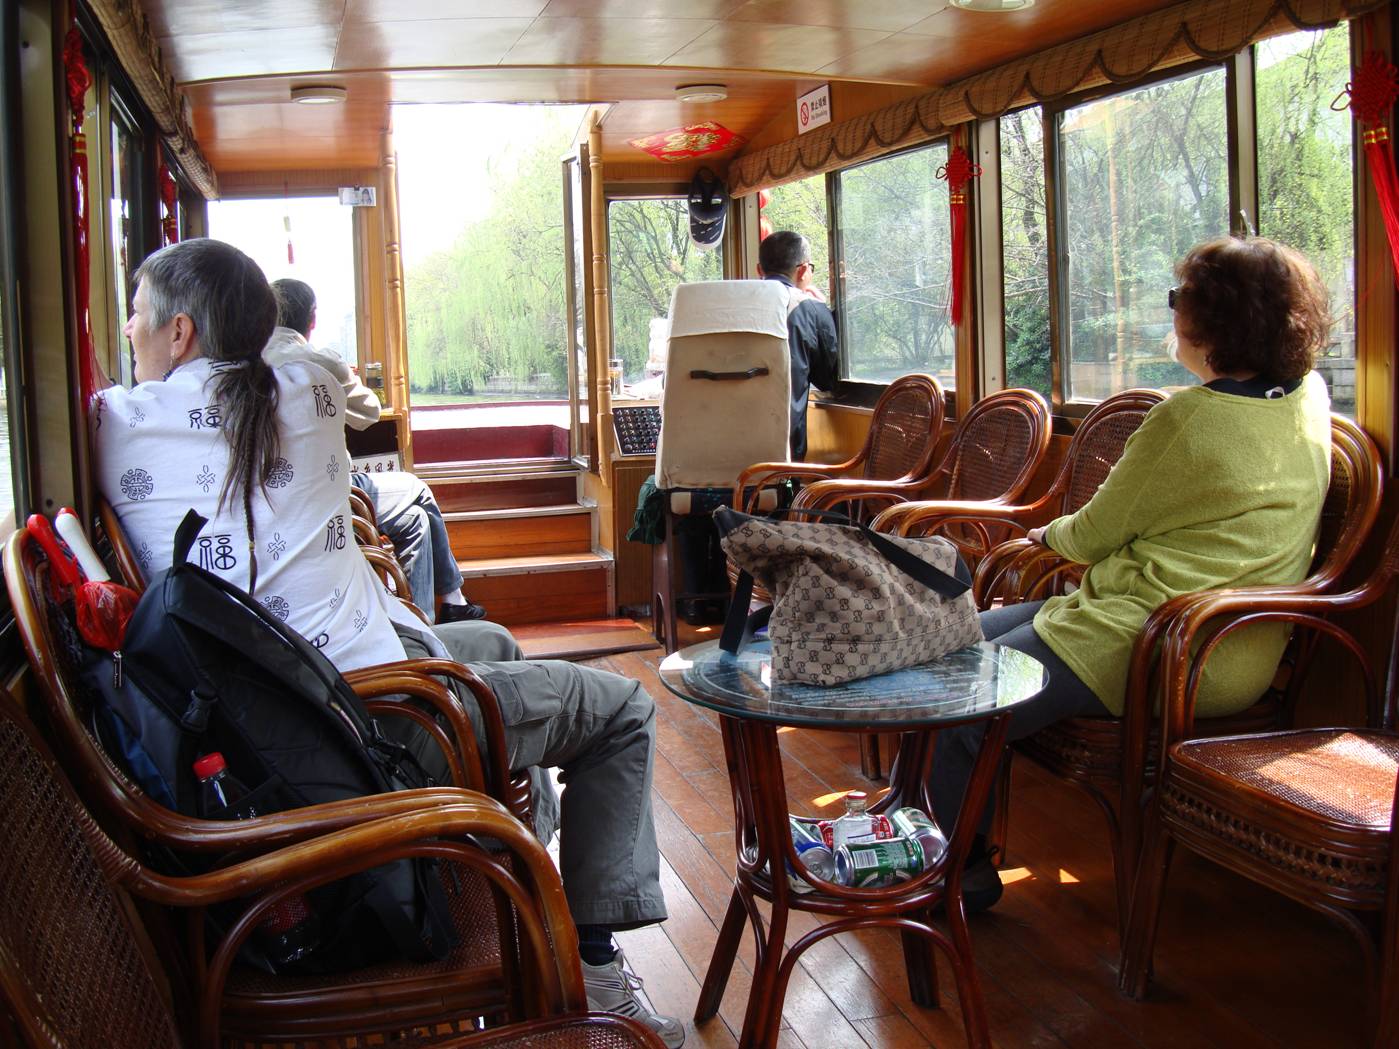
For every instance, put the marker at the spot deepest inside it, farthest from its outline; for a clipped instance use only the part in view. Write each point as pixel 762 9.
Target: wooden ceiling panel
pixel 200 17
pixel 214 56
pixel 641 8
pixel 888 15
pixel 239 60
pixel 604 41
pixel 415 10
pixel 760 45
pixel 440 42
pixel 1035 28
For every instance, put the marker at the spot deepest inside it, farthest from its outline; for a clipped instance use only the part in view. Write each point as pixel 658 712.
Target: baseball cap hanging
pixel 709 203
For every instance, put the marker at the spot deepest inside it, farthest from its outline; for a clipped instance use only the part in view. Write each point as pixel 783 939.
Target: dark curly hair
pixel 1253 305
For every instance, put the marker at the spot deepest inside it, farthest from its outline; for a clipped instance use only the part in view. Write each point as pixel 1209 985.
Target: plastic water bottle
pixel 290 930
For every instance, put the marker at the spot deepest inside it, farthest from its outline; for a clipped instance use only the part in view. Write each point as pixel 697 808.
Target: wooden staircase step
pixel 459 492
pixel 541 588
pixel 519 532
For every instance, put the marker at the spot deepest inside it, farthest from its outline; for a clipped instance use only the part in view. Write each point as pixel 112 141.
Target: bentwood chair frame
pixel 129 813
pixel 1307 827
pixel 992 456
pixel 1113 759
pixel 902 438
pixel 78 970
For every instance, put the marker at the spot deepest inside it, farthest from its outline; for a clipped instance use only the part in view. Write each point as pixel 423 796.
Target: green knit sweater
pixel 1214 490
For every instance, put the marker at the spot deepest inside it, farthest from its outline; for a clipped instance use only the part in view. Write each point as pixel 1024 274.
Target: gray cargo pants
pixel 599 730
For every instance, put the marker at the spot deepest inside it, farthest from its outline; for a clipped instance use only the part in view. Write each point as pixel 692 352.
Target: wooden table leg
pixel 721 962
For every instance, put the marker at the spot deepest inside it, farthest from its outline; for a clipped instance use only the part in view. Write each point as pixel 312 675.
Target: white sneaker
pixel 612 988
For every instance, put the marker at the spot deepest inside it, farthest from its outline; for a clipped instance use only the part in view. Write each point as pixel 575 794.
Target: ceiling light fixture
pixel 701 93
pixel 318 94
pixel 993 5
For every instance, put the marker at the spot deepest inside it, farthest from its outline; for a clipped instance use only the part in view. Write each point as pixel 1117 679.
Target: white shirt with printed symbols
pixel 160 451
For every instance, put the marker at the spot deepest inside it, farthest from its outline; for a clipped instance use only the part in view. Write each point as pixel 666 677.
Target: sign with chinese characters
pixel 357 196
pixel 376 464
pixel 693 140
pixel 814 109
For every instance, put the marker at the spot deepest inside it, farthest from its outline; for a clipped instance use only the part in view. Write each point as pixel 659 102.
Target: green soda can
pixel 916 824
pixel 874 864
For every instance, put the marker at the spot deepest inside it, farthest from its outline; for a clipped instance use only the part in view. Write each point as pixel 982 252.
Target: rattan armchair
pixel 1310 813
pixel 902 436
pixel 258 1005
pixel 77 969
pixel 980 527
pixel 1112 759
pixel 992 455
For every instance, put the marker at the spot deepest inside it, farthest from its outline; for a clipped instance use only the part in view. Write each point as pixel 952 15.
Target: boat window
pixel 1025 251
pixel 123 240
pixel 893 234
pixel 1144 178
pixel 1305 177
pixel 310 239
pixel 651 253
pixel 482 223
pixel 802 206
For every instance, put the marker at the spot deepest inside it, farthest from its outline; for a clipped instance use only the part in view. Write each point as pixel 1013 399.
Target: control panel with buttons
pixel 638 428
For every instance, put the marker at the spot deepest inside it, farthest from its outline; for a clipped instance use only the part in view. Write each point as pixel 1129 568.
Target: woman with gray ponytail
pixel 260 452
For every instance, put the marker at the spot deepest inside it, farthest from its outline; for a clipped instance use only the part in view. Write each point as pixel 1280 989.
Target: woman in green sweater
pixel 1221 486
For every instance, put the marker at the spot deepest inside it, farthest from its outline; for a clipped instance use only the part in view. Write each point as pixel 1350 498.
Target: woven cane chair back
pixel 1098 443
pixel 904 429
pixel 1352 501
pixel 998 446
pixel 75 968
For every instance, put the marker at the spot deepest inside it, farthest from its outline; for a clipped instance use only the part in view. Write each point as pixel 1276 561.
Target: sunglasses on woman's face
pixel 1171 298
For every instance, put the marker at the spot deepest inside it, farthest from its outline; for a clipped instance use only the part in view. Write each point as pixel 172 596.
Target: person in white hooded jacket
pixel 405 506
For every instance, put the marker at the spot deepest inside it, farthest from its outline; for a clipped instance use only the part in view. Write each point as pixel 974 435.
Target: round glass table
pixel 980 683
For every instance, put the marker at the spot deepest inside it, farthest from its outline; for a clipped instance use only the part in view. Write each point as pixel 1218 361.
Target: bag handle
pixel 739 626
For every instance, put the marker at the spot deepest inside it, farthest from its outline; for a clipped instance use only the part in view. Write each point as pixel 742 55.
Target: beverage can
pixel 819 862
pixel 916 824
pixel 805 831
pixel 874 864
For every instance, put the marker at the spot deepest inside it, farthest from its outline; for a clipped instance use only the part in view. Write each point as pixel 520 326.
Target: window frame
pixel 11 197
pixel 1056 205
pixel 865 393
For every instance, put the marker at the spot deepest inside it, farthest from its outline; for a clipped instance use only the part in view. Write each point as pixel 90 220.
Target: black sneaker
pixel 460 613
pixel 981 886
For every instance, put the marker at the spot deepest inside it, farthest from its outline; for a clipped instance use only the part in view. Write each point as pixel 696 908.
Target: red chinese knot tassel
pixel 169 199
pixel 958 171
pixel 78 80
pixel 1372 91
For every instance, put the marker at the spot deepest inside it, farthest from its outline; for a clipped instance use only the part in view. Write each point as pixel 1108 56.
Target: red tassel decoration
pixel 169 199
pixel 958 171
pixel 1372 93
pixel 78 80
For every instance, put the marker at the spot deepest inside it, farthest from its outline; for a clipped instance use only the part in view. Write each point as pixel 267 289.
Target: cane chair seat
pixel 1338 776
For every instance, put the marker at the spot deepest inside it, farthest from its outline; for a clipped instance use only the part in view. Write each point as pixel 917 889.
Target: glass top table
pixel 980 683
pixel 967 685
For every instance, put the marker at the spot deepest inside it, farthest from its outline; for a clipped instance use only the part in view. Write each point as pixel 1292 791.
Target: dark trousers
pixel 1064 696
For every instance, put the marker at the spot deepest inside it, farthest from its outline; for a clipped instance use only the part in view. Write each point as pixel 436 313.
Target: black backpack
pixel 204 667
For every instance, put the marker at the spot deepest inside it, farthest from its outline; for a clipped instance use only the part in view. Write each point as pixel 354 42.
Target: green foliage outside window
pixel 895 234
pixel 651 253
